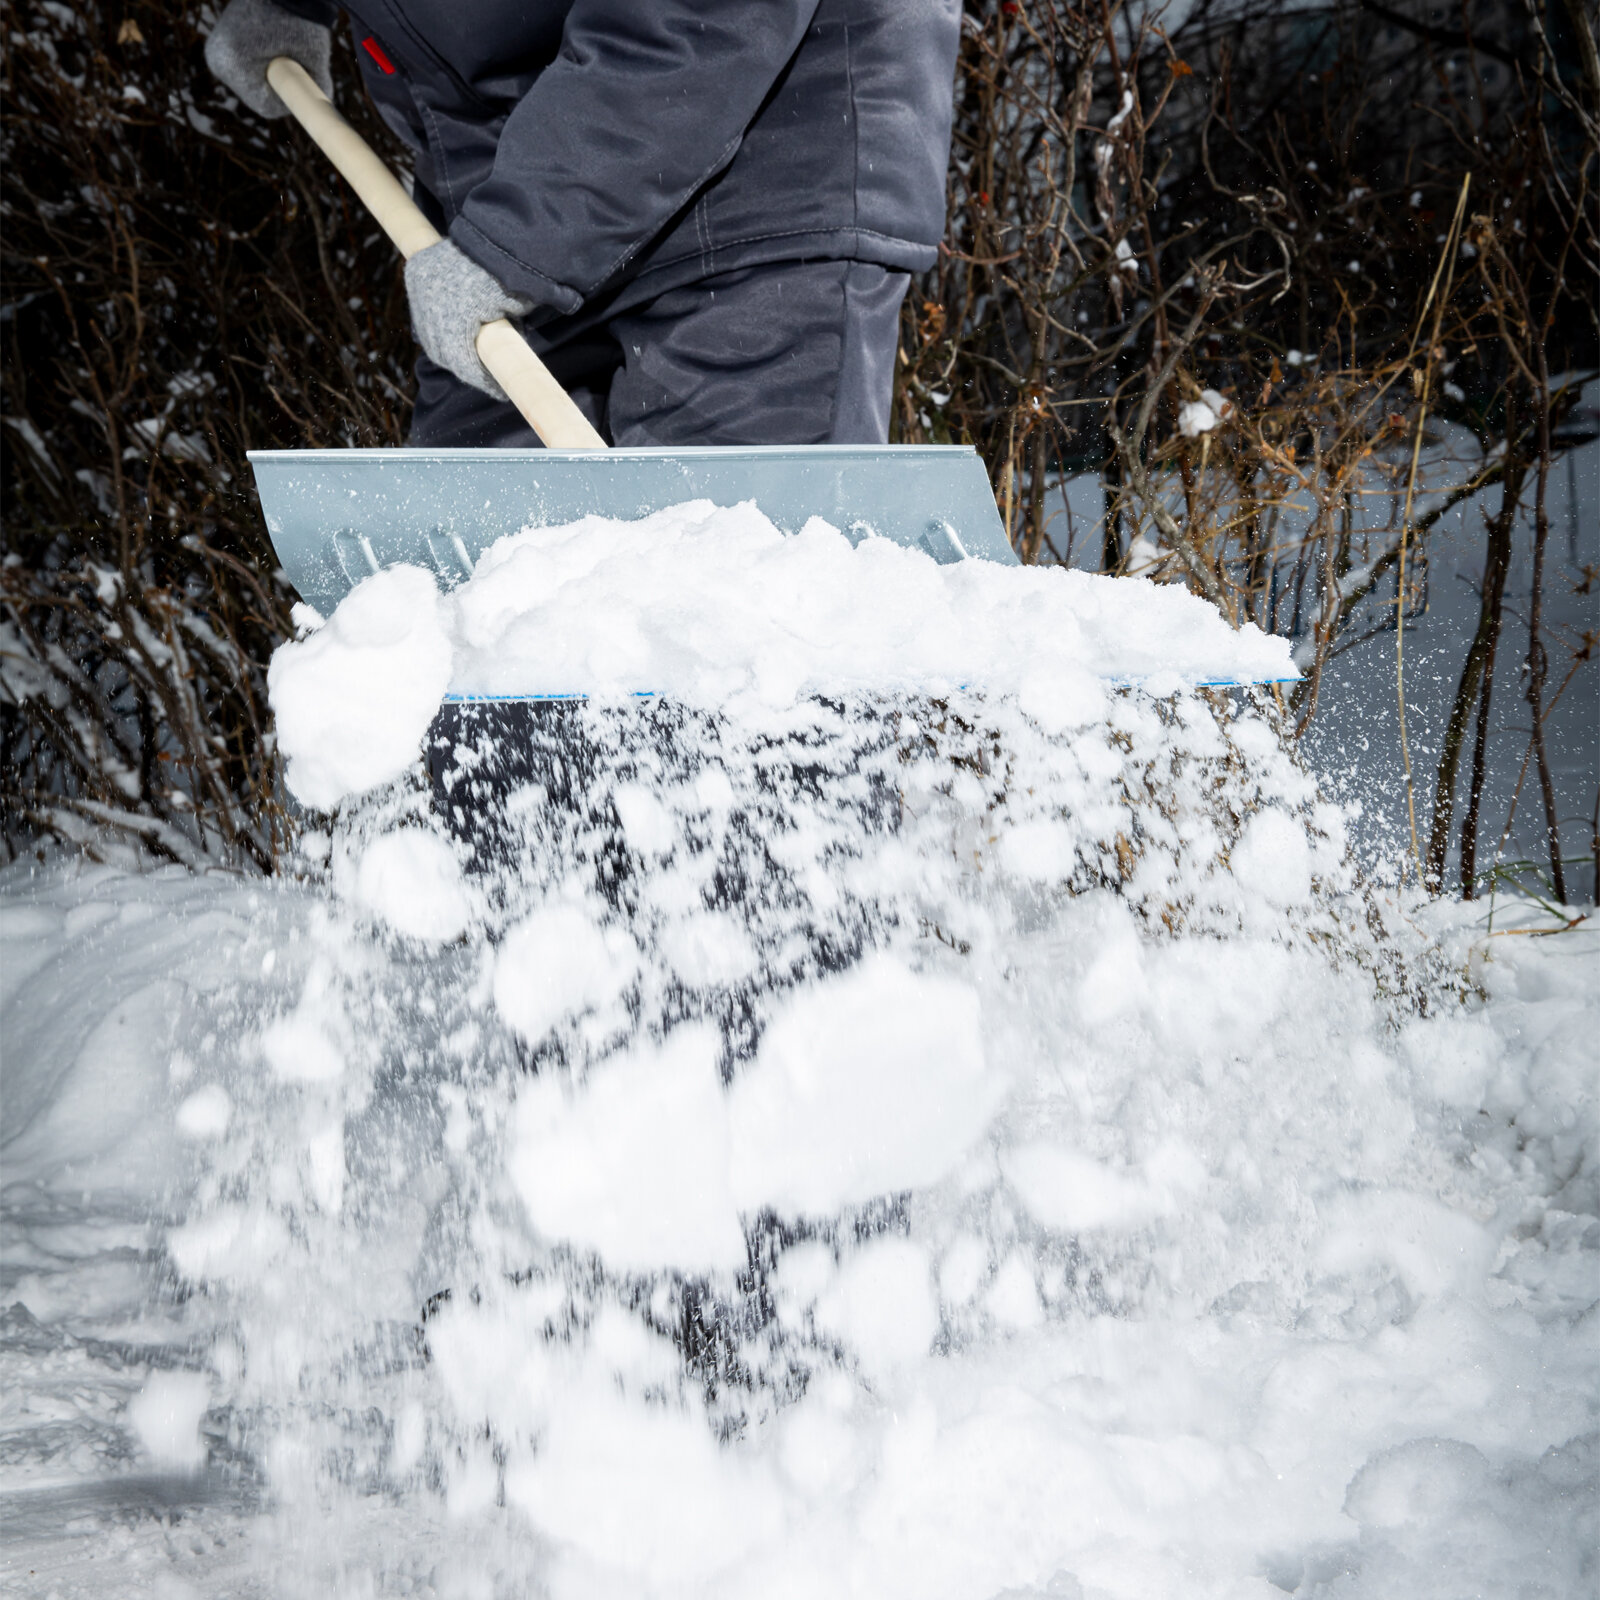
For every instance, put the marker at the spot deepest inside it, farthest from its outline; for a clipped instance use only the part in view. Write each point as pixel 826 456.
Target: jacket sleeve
pixel 323 11
pixel 643 104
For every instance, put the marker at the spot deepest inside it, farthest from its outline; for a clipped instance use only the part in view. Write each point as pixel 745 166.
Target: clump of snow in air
pixel 205 1114
pixel 411 881
pixel 165 1418
pixel 715 607
pixel 874 1139
pixel 555 963
pixel 352 698
pixel 1201 416
pixel 1273 860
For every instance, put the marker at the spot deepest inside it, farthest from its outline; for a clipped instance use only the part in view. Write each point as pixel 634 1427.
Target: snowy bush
pixel 1195 262
pixel 182 282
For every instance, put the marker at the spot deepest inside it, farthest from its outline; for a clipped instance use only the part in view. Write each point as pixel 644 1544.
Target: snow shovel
pixel 335 516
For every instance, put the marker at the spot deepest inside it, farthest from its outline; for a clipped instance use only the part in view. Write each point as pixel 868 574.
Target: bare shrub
pixel 182 282
pixel 1237 270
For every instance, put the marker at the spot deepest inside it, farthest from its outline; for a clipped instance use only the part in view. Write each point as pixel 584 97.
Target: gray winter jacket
pixel 574 144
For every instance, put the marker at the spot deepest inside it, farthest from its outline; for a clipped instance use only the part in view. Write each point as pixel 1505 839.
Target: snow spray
pixel 887 1112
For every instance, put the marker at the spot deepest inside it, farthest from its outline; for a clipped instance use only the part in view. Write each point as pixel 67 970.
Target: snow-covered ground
pixel 863 1145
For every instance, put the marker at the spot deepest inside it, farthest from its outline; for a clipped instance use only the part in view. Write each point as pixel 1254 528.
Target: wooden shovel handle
pixel 524 377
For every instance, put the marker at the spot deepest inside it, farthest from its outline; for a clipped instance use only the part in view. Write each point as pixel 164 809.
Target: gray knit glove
pixel 249 34
pixel 451 298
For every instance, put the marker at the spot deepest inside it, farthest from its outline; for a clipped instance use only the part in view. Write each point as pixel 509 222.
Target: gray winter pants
pixel 787 353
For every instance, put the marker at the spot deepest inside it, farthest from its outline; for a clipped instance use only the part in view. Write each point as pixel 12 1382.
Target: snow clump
pixel 352 698
pixel 1201 416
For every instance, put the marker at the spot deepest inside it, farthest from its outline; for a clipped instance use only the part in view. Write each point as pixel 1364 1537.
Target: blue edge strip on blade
pixel 653 694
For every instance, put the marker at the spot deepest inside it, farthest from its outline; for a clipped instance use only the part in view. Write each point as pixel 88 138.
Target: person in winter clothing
pixel 706 212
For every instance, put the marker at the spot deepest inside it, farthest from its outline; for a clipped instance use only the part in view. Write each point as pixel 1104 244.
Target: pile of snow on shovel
pixel 716 609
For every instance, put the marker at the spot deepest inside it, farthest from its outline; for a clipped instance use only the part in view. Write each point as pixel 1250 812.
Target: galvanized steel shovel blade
pixel 337 515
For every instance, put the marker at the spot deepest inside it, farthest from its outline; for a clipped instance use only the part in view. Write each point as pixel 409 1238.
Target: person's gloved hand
pixel 451 298
pixel 249 34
